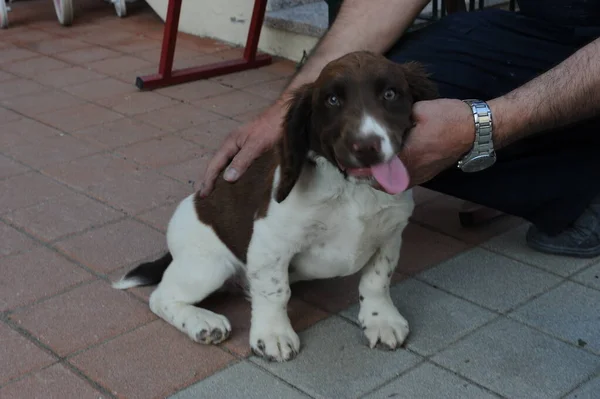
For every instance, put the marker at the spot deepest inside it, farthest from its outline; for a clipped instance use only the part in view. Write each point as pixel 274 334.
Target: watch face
pixel 479 163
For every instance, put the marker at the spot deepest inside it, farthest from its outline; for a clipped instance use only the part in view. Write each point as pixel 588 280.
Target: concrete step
pixel 275 5
pixel 306 19
pixel 310 17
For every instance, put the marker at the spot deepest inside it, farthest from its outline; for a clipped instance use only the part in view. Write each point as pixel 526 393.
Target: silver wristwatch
pixel 482 155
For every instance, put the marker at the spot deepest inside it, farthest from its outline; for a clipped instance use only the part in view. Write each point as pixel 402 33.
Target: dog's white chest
pixel 344 238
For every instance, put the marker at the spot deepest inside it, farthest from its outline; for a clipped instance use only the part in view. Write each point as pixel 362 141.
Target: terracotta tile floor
pixel 90 172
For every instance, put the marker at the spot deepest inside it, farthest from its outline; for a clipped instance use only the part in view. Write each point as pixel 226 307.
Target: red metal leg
pixel 167 77
pixel 258 16
pixel 167 52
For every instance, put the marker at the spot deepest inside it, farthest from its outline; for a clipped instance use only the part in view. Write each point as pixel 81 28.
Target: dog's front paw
pixel 276 342
pixel 382 323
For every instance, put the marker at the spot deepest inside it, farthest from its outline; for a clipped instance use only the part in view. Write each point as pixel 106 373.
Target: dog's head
pixel 356 115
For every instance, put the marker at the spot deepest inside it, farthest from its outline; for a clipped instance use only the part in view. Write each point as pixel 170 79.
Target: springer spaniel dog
pixel 330 200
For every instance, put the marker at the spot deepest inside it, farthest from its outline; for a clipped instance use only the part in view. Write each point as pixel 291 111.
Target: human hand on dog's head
pixel 443 132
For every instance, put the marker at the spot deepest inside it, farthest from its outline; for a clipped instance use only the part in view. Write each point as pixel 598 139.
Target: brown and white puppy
pixel 307 210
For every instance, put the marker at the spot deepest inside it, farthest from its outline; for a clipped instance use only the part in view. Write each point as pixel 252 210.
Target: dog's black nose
pixel 366 149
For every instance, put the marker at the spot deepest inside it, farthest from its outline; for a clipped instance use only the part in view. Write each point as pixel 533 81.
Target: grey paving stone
pixel 589 276
pixel 589 390
pixel 570 312
pixel 519 362
pixel 512 244
pixel 240 381
pixel 435 317
pixel 489 279
pixel 335 362
pixel 429 381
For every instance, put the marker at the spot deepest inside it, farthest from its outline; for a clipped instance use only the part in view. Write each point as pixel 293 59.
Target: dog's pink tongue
pixel 392 176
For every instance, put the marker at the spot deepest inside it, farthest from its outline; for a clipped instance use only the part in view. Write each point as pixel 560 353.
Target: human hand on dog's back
pixel 243 146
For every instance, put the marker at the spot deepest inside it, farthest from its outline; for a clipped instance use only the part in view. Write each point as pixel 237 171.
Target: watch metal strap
pixel 483 127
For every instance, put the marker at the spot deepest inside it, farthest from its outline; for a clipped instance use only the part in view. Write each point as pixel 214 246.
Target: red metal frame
pixel 166 76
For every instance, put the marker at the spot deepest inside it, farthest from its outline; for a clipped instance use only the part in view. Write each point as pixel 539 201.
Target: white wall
pixel 229 20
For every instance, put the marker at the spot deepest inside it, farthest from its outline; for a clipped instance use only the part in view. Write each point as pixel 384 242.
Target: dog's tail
pixel 149 273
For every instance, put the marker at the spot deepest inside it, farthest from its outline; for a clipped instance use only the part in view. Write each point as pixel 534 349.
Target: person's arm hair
pixel 567 93
pixel 373 25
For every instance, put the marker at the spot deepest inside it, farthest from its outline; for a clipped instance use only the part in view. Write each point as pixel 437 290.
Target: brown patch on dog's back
pixel 232 208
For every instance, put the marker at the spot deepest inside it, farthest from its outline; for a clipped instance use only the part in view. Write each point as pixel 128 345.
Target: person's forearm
pixel 568 93
pixel 373 25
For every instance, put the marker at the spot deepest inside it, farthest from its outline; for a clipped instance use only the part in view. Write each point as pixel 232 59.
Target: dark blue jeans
pixel 549 178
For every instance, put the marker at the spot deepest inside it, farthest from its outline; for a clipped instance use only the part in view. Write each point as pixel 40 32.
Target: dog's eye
pixel 333 101
pixel 389 95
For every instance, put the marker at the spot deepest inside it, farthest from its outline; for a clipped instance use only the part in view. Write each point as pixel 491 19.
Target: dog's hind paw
pixel 206 327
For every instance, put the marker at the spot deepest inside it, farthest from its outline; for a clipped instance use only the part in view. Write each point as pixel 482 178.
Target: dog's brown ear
pixel 421 87
pixel 295 143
